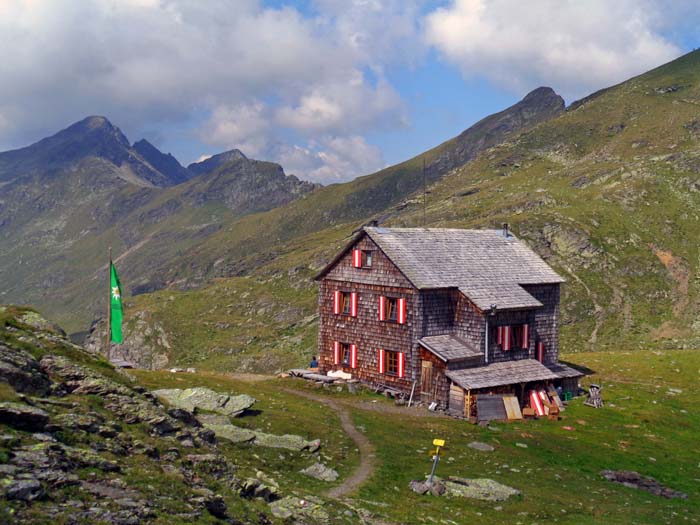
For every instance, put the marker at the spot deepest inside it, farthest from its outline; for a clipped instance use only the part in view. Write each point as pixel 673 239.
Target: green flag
pixel 116 305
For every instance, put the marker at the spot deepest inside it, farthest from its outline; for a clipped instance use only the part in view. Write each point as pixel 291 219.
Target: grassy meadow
pixel 650 423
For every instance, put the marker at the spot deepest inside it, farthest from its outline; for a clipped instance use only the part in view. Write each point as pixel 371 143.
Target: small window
pixel 345 353
pixel 392 309
pixel 345 303
pixel 392 363
pixel 366 258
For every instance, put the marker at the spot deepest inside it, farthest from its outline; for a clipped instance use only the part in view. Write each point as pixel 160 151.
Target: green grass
pixel 645 426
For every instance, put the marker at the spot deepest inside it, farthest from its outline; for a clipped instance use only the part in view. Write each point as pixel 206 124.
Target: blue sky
pixel 331 89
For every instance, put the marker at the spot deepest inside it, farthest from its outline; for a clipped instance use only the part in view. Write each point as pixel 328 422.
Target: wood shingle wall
pixel 366 330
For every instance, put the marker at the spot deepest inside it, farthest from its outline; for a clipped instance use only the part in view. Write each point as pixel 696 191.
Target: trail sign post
pixel 436 457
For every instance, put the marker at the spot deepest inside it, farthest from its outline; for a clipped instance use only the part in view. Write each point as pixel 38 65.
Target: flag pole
pixel 109 304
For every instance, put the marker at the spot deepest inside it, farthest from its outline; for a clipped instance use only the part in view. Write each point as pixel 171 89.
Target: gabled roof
pixel 449 348
pixel 486 266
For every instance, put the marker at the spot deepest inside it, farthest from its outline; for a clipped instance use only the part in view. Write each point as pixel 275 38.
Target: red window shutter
pixel 382 308
pixel 380 359
pixel 353 356
pixel 506 338
pixel 401 364
pixel 499 339
pixel 353 304
pixel 336 352
pixel 336 302
pixel 526 337
pixel 540 352
pixel 357 258
pixel 402 311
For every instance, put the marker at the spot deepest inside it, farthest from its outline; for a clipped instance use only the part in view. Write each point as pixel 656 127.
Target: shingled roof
pixel 450 348
pixel 485 265
pixel 504 373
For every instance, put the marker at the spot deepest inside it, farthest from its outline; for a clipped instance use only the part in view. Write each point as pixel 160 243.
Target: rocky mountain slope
pixel 166 164
pixel 607 192
pixel 65 199
pixel 83 443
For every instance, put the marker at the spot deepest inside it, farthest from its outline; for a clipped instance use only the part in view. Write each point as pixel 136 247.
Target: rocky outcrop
pixel 197 399
pixel 22 416
pixel 82 424
pixel 22 372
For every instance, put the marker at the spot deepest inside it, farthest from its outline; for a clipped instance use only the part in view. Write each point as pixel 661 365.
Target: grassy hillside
pixel 608 193
pixel 649 424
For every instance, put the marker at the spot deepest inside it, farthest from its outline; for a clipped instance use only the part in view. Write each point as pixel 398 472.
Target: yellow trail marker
pixel 436 457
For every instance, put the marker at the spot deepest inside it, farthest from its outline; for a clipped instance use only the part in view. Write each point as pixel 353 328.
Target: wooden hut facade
pixel 445 313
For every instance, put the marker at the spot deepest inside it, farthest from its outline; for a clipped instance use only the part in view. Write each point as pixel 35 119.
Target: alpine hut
pixel 448 314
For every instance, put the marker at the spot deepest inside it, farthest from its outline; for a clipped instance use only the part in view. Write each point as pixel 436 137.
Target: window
pixel 362 258
pixel 345 303
pixel 392 309
pixel 392 363
pixel 512 337
pixel 345 354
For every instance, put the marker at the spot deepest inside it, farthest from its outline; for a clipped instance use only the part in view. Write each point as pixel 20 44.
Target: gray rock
pixel 24 490
pixel 320 471
pixel 22 372
pixel 478 445
pixel 232 433
pixel 479 488
pixel 287 441
pixel 299 510
pixel 23 416
pixel 199 398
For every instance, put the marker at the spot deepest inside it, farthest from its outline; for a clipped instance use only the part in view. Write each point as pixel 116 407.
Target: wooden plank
pixel 456 405
pixel 512 407
pixel 489 408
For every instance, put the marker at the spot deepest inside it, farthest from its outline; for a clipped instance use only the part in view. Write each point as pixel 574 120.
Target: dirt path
pixel 367 456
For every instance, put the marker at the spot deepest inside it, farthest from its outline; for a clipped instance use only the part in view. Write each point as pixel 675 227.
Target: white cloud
pixel 572 46
pixel 331 159
pixel 241 69
pixel 244 126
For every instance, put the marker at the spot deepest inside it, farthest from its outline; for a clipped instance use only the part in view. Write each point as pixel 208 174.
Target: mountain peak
pixel 215 161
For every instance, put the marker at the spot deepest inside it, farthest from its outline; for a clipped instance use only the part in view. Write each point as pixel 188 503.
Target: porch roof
pixel 449 347
pixel 504 373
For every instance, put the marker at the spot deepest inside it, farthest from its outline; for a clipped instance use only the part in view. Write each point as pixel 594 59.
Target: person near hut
pixel 314 362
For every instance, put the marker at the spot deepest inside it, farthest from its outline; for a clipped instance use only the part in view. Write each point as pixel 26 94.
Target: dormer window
pixel 362 258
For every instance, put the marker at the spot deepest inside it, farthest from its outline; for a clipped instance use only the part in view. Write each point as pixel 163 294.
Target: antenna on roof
pixel 425 193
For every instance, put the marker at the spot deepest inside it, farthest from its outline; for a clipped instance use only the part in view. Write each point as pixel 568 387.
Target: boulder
pixel 199 398
pixel 320 471
pixel 232 433
pixel 22 372
pixel 24 490
pixel 22 416
pixel 478 488
pixel 287 441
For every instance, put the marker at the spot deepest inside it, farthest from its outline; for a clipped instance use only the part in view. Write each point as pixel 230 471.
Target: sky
pixel 330 89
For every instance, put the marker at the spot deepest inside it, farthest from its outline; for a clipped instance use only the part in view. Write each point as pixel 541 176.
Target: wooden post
pixel 469 403
pixel 109 305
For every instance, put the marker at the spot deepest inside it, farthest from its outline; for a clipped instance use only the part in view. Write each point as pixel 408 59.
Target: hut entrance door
pixel 426 379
